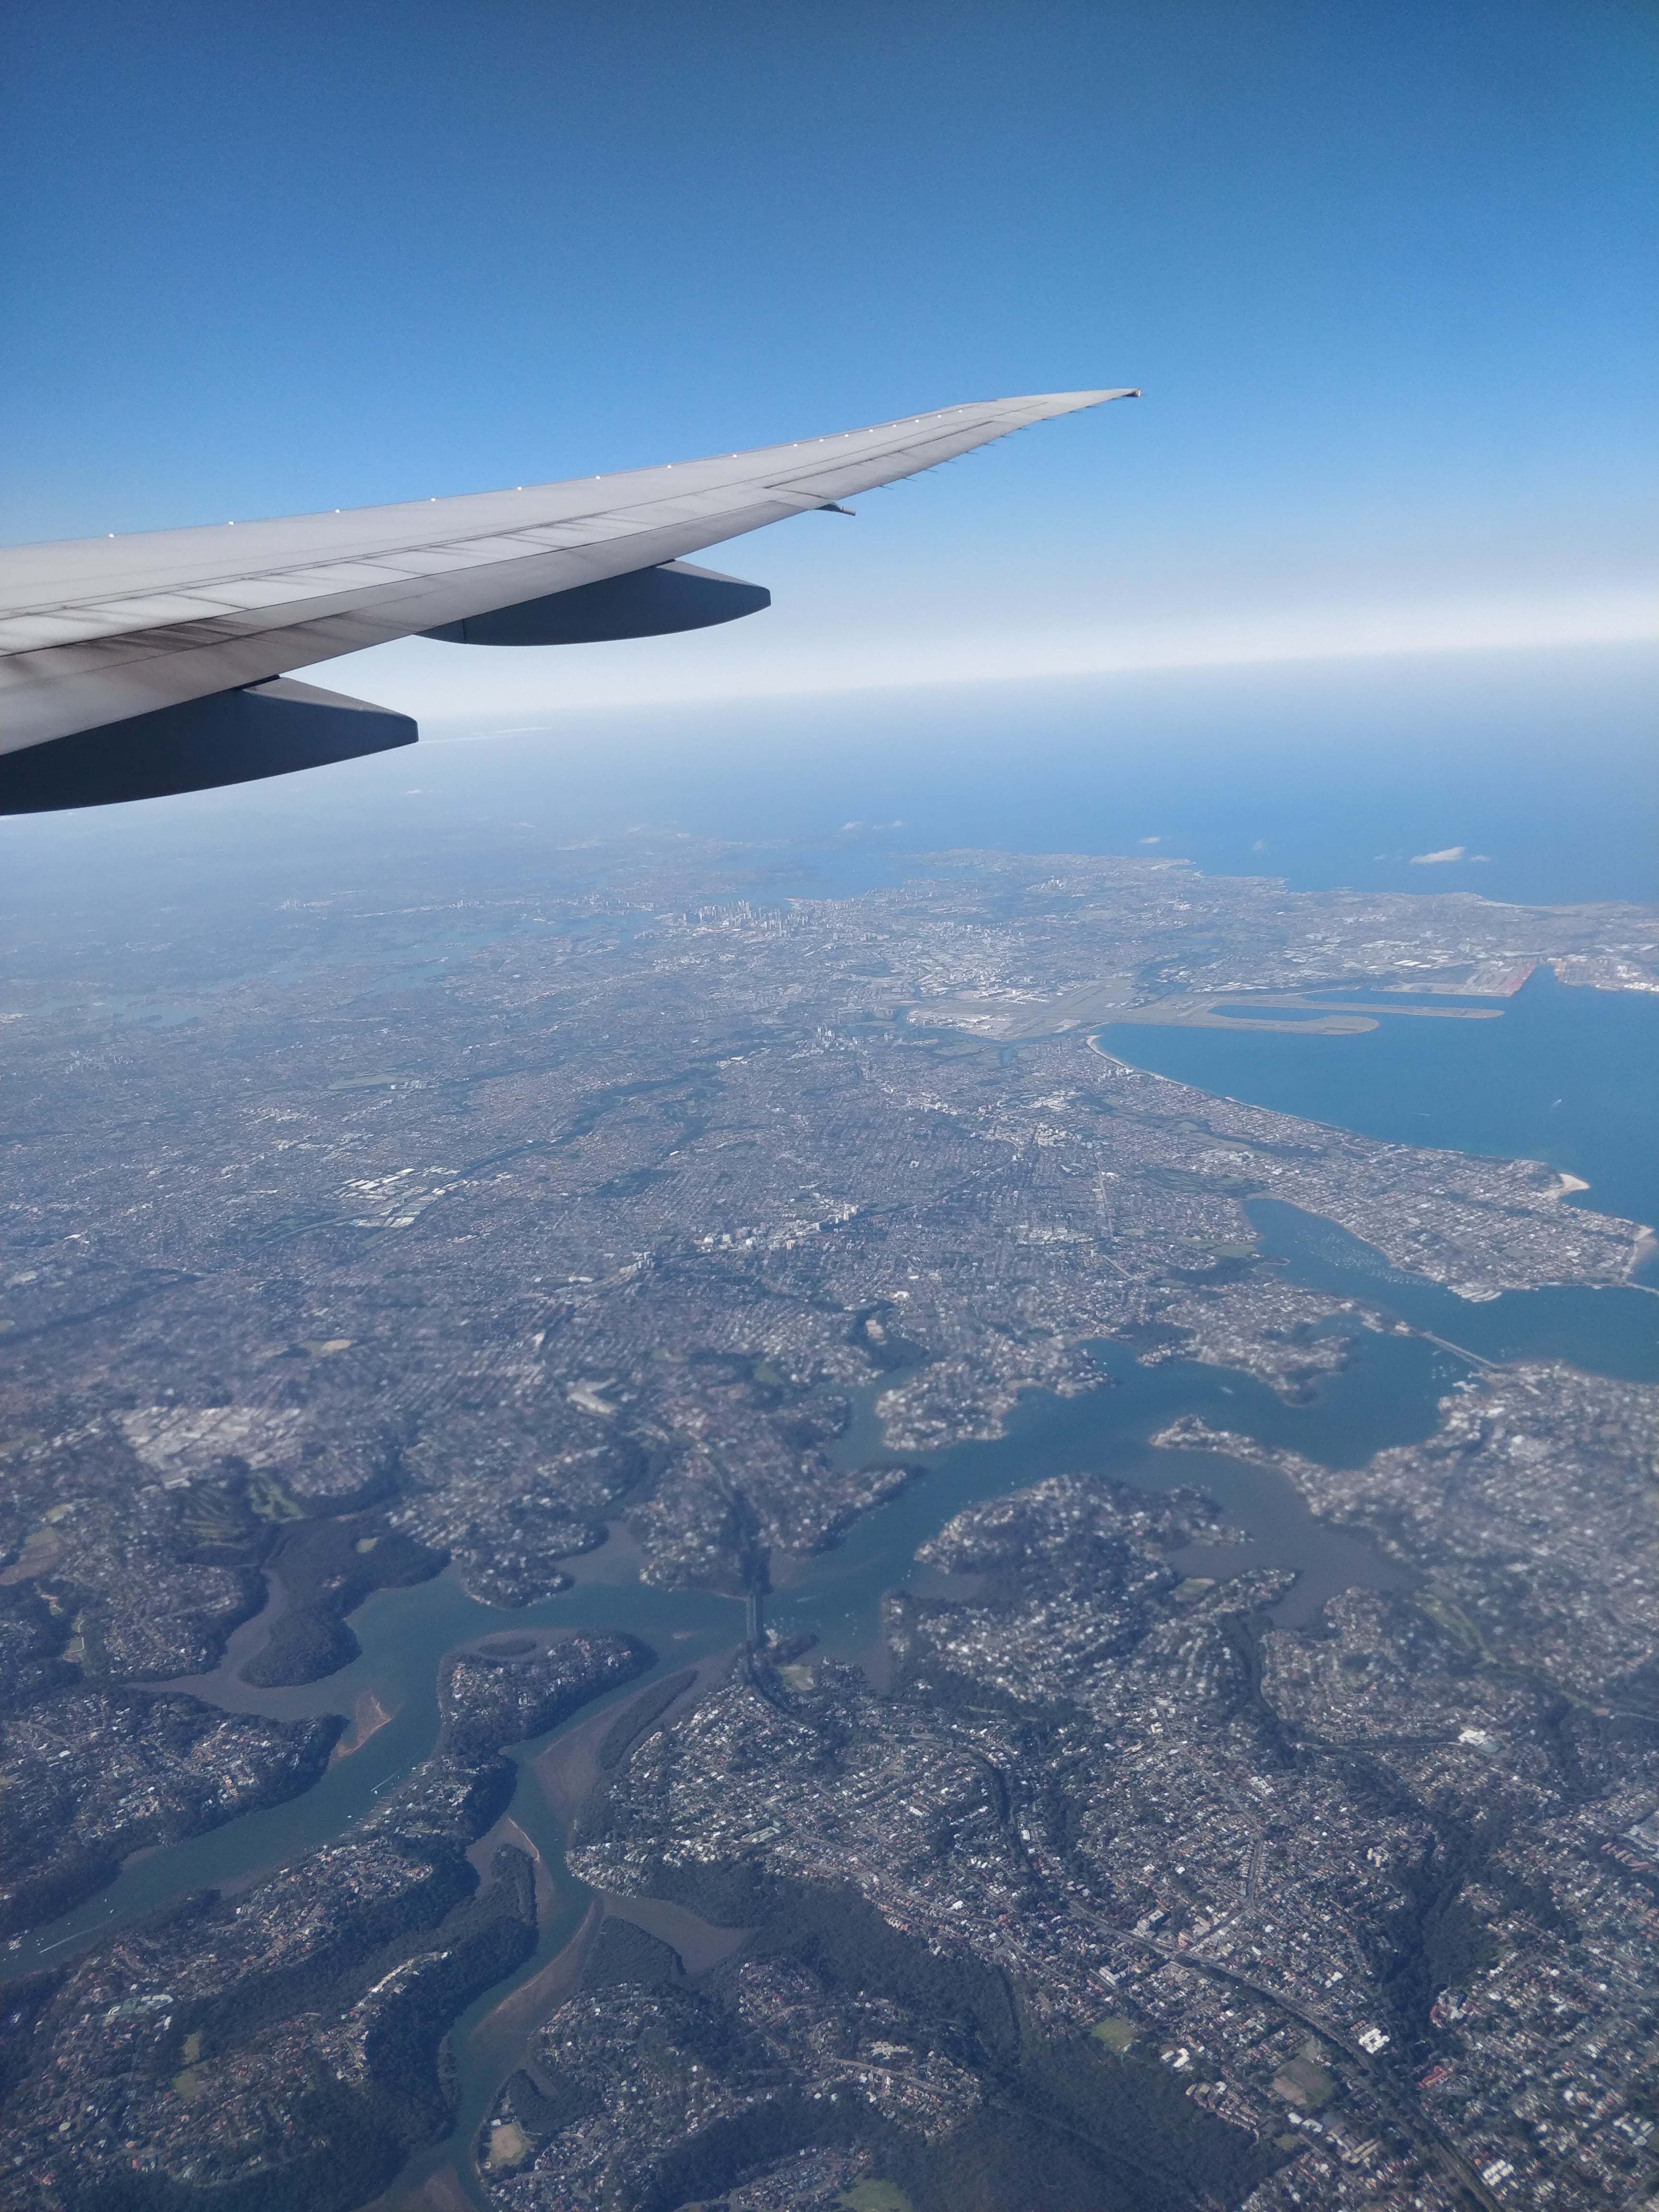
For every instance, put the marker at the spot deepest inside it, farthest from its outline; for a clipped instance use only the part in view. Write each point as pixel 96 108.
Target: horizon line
pixel 545 717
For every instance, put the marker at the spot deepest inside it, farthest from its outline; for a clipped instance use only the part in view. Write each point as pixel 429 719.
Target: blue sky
pixel 1386 272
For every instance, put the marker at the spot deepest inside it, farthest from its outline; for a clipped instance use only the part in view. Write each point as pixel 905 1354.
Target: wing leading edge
pixel 101 637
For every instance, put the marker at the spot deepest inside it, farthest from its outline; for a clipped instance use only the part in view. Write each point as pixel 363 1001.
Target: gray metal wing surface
pixel 119 631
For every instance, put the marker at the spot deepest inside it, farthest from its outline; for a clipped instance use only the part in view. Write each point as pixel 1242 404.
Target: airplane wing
pixel 137 665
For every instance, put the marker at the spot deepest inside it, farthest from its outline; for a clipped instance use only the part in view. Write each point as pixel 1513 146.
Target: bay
pixel 1566 1075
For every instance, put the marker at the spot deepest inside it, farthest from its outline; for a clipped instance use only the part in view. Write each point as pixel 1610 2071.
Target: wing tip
pixel 1044 406
pixel 1067 402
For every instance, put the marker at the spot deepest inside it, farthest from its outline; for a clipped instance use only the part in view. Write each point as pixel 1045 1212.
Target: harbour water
pixel 1566 1075
pixel 1387 1395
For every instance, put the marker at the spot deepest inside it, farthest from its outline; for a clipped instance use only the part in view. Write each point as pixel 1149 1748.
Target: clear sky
pixel 1386 269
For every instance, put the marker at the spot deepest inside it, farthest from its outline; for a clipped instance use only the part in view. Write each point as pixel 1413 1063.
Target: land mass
pixel 681 1190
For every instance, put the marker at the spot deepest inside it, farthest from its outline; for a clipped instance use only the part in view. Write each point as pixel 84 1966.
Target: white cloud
pixel 871 633
pixel 1438 860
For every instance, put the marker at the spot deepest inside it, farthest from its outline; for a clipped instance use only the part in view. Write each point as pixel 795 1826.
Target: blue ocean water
pixel 1540 767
